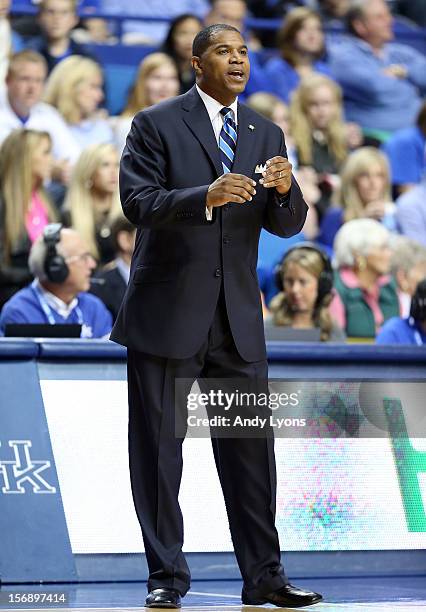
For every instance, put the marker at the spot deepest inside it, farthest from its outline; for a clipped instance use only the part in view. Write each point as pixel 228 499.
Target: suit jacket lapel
pixel 245 150
pixel 197 119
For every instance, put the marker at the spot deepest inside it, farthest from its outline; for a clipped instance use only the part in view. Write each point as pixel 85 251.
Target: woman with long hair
pixel 317 124
pixel 92 202
pixel 365 192
pixel 156 80
pixel 75 89
pixel 306 281
pixel 321 137
pixel 178 45
pixel 25 209
pixel 301 46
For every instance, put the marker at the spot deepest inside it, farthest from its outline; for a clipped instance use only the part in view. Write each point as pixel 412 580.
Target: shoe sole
pixel 160 605
pixel 261 602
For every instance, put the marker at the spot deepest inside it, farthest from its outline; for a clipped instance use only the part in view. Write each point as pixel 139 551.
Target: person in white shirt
pixel 22 107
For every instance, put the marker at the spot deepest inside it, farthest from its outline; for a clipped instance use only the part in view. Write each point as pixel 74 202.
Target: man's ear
pixel 359 27
pixel 196 64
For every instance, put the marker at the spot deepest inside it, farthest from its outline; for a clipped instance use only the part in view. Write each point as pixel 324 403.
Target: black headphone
pixel 418 302
pixel 325 280
pixel 55 266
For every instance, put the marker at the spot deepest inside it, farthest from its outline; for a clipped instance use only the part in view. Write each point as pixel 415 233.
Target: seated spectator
pixel 62 267
pixel 178 45
pixel 321 137
pixel 57 18
pixel 94 30
pixel 300 42
pixel 22 107
pixel 411 212
pixel 92 201
pixel 367 294
pixel 157 80
pixel 114 277
pixel 410 329
pixel 382 82
pixel 25 209
pixel 408 267
pixel 406 150
pixel 74 88
pixel 305 280
pixel 364 192
pixel 10 42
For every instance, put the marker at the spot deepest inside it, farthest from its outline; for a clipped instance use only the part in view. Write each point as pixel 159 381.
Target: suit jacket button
pixel 217 272
pixel 226 240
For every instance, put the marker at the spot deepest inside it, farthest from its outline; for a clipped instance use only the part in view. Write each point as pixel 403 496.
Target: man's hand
pixel 398 71
pixel 230 188
pixel 277 174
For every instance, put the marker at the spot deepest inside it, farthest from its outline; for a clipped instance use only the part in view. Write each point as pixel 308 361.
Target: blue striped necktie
pixel 227 140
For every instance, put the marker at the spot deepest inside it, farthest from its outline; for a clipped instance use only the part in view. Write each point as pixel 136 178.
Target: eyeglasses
pixel 85 257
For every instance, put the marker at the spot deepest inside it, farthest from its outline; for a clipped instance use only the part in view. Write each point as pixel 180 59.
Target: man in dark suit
pixel 193 310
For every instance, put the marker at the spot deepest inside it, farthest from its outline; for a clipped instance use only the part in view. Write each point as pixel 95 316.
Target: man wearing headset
pixel 62 268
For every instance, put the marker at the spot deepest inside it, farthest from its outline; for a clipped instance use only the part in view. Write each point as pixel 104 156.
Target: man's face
pixel 57 18
pixel 25 84
pixel 4 8
pixel 224 68
pixel 80 262
pixel 376 25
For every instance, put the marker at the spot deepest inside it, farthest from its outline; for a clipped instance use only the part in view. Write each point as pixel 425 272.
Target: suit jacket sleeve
pixel 145 199
pixel 285 215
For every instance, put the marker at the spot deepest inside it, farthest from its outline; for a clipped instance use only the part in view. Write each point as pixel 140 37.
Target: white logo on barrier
pixel 23 470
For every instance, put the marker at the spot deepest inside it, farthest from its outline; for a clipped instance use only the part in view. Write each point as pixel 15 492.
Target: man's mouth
pixel 237 74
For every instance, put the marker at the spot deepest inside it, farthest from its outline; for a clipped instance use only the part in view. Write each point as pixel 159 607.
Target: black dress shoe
pixel 288 596
pixel 163 598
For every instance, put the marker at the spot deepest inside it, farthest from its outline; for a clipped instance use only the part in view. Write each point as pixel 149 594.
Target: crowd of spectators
pixel 348 97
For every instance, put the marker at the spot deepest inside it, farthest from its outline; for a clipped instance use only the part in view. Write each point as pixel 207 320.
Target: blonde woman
pixel 300 42
pixel 365 192
pixel 321 138
pixel 75 89
pixel 317 124
pixel 157 80
pixel 25 209
pixel 92 202
pixel 306 282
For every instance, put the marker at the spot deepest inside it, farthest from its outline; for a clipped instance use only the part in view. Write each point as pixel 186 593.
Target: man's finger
pixel 239 180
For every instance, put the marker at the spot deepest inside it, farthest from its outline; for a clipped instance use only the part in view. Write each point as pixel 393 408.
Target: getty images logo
pixel 23 474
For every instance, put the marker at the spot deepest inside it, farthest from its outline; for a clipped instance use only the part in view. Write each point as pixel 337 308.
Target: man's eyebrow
pixel 226 46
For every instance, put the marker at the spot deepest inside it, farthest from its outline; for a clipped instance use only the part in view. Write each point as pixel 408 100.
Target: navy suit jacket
pixel 181 260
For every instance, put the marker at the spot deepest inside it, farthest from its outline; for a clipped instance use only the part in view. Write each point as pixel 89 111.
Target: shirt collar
pixel 214 107
pixel 364 45
pixel 62 308
pixel 123 268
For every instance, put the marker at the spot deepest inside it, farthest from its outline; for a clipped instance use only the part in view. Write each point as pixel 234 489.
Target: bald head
pixel 80 263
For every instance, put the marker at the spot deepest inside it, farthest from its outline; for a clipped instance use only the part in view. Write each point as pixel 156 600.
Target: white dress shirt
pixel 46 118
pixel 213 108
